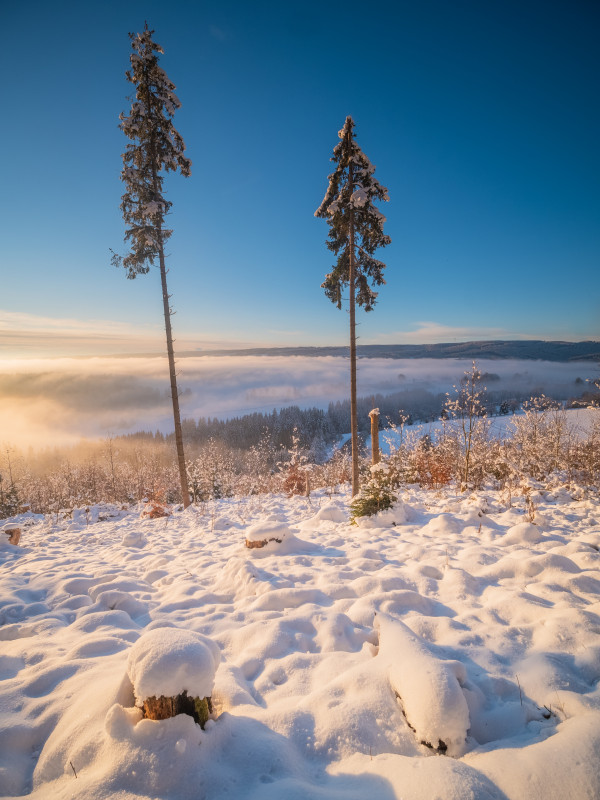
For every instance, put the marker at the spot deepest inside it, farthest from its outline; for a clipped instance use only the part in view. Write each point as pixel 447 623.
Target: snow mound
pixel 265 531
pixel 169 661
pixel 133 539
pixel 224 523
pixel 331 512
pixel 428 688
pixel 443 525
pixel 523 533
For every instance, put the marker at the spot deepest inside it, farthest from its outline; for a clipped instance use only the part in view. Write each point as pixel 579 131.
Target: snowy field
pixel 450 620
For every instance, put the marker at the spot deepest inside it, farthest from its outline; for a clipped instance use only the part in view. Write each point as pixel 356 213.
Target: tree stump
pixel 261 534
pixel 200 708
pixel 262 542
pixel 13 533
pixel 155 511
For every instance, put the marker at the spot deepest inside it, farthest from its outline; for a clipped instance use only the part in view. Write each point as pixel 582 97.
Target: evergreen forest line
pixel 319 428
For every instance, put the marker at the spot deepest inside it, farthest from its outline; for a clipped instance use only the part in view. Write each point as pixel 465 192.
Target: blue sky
pixel 482 119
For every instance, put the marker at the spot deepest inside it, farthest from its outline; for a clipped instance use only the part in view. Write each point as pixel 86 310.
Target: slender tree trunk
pixel 353 411
pixel 185 494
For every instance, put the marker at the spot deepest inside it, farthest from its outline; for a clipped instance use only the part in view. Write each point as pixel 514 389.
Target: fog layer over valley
pixel 58 401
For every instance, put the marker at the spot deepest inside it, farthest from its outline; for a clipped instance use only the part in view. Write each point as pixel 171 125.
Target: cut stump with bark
pixel 155 511
pixel 200 708
pixel 262 542
pixel 13 533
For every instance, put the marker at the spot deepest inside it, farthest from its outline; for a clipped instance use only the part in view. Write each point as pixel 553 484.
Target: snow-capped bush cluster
pixel 461 449
pixel 535 444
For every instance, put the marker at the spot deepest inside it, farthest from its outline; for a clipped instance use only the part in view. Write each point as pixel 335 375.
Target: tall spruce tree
pixel 155 148
pixel 355 233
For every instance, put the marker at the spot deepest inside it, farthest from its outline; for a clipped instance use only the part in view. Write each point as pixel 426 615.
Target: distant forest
pixel 528 349
pixel 318 429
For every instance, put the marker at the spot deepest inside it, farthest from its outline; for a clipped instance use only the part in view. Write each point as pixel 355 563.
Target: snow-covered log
pixel 429 689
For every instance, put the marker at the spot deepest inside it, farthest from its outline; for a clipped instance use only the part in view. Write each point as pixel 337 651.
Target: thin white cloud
pixel 434 332
pixel 30 335
pixel 289 335
pixel 22 321
pixel 24 334
pixel 429 332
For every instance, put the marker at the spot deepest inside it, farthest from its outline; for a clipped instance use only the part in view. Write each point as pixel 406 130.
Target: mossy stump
pixel 200 708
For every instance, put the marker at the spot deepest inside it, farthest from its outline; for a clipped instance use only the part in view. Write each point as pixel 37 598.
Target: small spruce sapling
pixel 376 494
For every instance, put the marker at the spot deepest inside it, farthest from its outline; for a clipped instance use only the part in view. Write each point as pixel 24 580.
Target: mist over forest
pixel 57 402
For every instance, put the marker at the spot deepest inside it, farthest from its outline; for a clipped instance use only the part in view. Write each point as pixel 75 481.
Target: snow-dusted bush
pixel 336 471
pixel 467 430
pixel 539 446
pixel 401 444
pixel 259 467
pixel 295 468
pixel 213 474
pixel 541 438
pixel 585 455
pixel 434 467
pixel 10 502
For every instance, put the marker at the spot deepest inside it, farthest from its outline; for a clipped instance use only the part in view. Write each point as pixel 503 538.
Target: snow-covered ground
pixel 452 620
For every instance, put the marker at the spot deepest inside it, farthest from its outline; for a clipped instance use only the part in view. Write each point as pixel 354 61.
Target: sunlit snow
pixel 446 621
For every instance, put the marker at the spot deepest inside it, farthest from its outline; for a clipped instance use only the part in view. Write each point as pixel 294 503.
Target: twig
pixel 73 768
pixel 520 692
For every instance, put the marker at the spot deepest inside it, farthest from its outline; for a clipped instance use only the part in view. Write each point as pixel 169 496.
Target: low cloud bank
pixel 57 401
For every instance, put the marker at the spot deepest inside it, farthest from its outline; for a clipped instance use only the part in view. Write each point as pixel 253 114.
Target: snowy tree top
pixel 155 147
pixel 348 127
pixel 349 207
pixel 365 187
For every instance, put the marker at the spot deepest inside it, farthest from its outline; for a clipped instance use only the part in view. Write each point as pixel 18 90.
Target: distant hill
pixel 531 349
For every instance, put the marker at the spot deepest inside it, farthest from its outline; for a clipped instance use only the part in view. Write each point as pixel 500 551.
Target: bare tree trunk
pixel 353 410
pixel 185 494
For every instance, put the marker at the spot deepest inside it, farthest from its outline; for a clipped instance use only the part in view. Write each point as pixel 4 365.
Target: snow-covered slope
pixel 342 650
pixel 579 423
